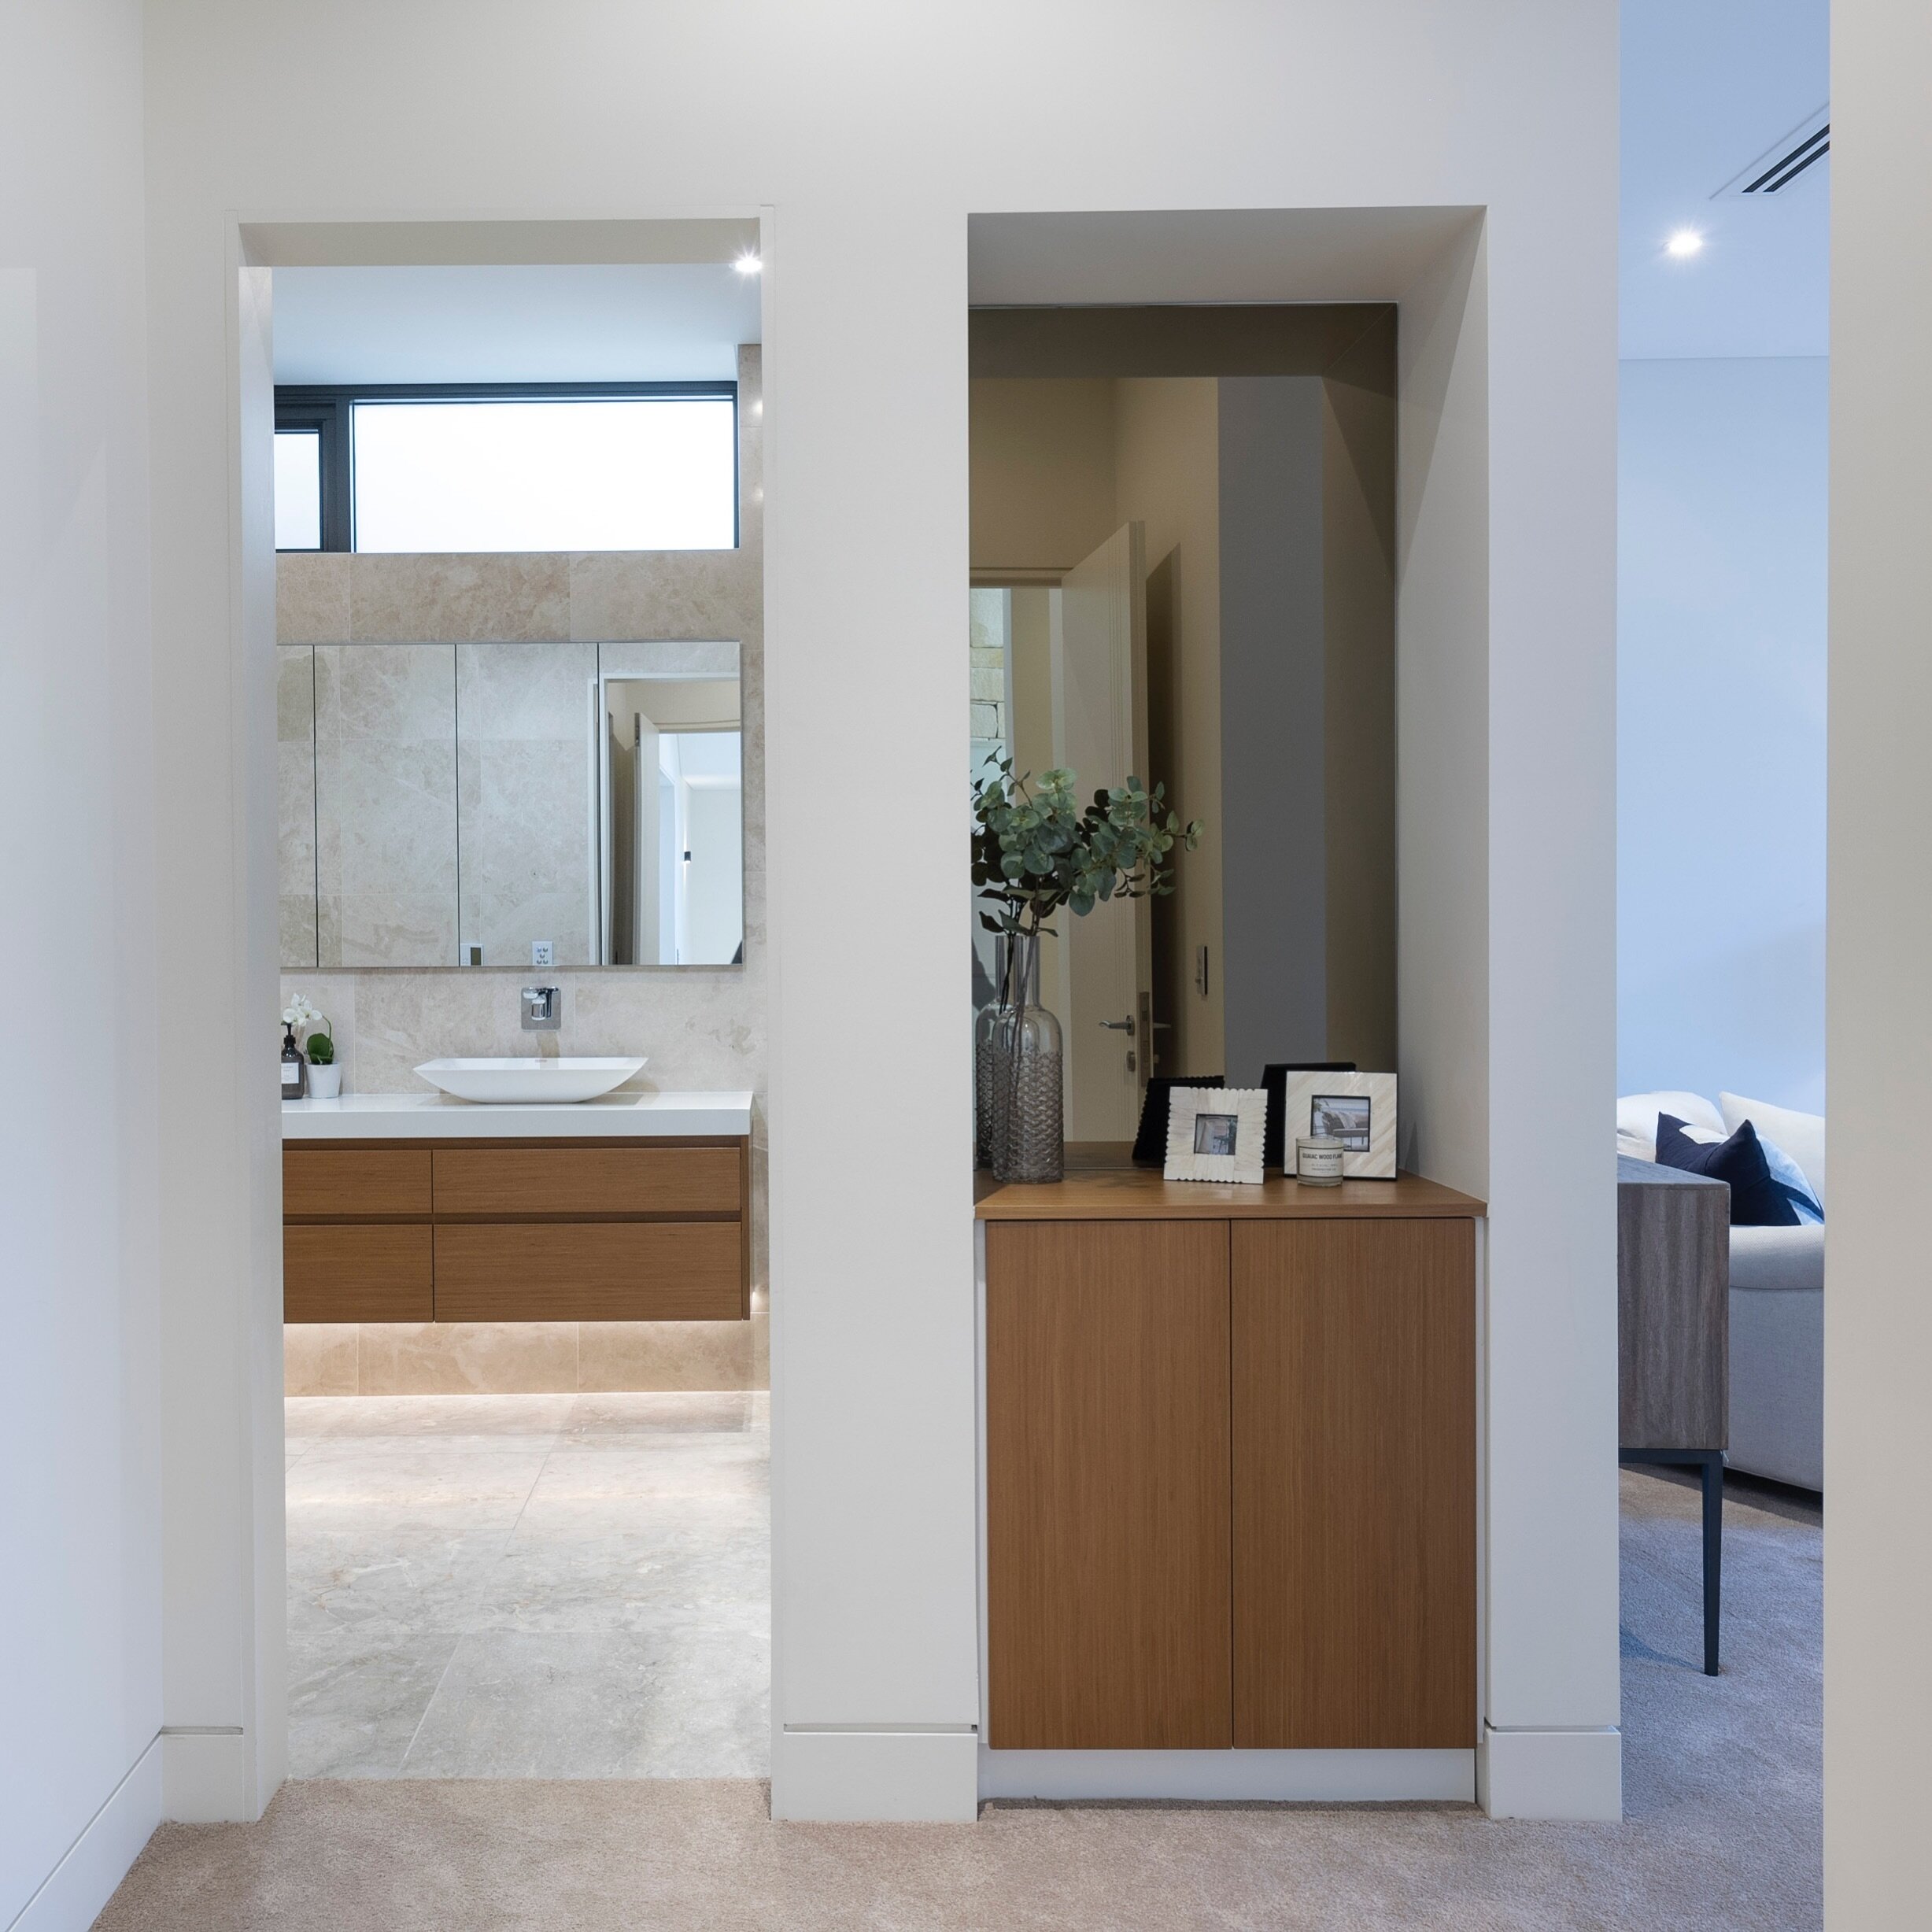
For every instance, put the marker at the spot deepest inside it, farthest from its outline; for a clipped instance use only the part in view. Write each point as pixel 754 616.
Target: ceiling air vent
pixel 1780 164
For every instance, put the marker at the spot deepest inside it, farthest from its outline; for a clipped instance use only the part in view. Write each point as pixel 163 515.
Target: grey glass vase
pixel 1026 1127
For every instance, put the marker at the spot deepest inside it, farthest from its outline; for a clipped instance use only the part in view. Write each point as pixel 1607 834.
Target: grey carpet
pixel 1721 1796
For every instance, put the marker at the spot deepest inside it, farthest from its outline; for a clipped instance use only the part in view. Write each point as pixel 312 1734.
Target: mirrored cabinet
pixel 511 804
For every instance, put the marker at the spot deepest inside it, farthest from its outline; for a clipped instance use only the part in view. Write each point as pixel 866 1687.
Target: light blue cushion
pixel 1788 1174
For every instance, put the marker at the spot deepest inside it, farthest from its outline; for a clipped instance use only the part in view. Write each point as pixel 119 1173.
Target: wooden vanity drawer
pixel 590 1271
pixel 348 1182
pixel 366 1273
pixel 572 1183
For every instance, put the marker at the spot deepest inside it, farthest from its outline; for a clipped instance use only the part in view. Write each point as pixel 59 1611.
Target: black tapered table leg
pixel 1711 1462
pixel 1713 1558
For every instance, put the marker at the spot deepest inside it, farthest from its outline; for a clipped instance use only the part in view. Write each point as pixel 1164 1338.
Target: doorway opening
pixel 518 664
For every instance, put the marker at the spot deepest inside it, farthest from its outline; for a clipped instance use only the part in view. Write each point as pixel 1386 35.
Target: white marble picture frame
pixel 1369 1148
pixel 1214 1133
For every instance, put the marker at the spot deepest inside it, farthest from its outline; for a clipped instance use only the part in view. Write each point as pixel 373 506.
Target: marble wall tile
pixel 468 1358
pixel 318 1358
pixel 295 802
pixel 751 448
pixel 522 1362
pixel 386 797
pixel 311 597
pixel 404 1018
pixel 521 597
pixel 526 780
pixel 663 594
pixel 664 1355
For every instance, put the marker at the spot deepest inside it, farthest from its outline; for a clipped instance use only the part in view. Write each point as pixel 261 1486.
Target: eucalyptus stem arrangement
pixel 1036 849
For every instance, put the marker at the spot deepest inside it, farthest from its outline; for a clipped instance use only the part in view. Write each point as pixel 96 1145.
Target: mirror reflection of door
pixel 673 857
pixel 1100 656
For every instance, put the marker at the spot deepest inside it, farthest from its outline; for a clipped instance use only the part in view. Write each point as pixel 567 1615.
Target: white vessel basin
pixel 526 1081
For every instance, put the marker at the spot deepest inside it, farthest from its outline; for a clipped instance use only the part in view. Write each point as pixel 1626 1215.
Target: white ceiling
pixel 1708 87
pixel 657 322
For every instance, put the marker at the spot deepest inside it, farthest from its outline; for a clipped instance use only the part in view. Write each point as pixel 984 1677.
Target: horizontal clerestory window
pixel 612 466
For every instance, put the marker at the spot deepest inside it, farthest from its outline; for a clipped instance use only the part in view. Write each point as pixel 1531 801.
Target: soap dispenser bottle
pixel 294 1067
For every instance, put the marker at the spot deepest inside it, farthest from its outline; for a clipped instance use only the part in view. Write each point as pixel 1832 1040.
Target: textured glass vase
pixel 986 1024
pixel 1026 1123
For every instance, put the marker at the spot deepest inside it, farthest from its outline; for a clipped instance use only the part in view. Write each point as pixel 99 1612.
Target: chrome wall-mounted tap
pixel 542 1009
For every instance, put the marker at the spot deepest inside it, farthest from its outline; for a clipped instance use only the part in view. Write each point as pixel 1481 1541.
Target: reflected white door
pixel 1100 733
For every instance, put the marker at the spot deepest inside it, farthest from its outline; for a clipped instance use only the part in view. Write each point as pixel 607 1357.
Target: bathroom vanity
pixel 1229 1488
pixel 410 1207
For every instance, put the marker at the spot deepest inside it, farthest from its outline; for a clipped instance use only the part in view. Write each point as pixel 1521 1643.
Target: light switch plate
pixel 541 952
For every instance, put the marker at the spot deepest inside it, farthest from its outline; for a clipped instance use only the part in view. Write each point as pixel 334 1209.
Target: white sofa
pixel 1777 1292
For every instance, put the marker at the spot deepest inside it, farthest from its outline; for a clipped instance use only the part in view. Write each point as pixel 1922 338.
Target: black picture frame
pixel 1275 1083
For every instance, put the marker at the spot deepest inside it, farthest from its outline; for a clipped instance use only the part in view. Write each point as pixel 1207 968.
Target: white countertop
pixel 436 1116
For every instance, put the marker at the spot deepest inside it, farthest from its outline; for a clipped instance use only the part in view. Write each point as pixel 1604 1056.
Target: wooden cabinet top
pixel 1139 1194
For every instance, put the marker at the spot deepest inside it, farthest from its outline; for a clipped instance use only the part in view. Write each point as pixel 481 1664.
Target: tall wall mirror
pixel 511 804
pixel 1183 569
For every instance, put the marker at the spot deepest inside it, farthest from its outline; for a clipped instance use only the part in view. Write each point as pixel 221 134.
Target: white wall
pixel 864 131
pixel 1721 526
pixel 1877 1312
pixel 80 1058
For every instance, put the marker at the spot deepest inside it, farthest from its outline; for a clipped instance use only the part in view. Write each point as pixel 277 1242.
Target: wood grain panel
pixel 590 1271
pixel 1107 1486
pixel 355 1180
pixel 1673 1308
pixel 1355 1484
pixel 571 1182
pixel 379 1272
pixel 1139 1194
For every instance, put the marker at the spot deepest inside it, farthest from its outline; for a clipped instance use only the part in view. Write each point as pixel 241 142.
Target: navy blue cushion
pixel 1756 1201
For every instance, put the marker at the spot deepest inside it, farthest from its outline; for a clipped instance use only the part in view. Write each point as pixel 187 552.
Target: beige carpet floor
pixel 1722 1793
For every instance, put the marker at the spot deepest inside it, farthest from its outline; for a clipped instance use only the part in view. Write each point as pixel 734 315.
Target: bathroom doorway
pixel 525 1348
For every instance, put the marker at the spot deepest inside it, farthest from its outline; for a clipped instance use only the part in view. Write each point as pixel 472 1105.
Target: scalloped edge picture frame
pixel 1215 1133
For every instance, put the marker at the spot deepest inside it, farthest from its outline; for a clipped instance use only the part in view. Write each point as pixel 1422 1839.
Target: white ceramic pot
pixel 325 1083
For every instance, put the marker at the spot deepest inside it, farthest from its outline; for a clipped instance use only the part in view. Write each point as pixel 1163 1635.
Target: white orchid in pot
pixel 311 1029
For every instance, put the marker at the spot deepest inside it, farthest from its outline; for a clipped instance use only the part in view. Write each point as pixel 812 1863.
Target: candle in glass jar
pixel 1318 1162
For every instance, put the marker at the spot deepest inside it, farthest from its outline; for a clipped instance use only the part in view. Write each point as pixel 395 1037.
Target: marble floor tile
pixel 669 1701
pixel 731 1411
pixel 306 1417
pixel 482 1421
pixel 393 1577
pixel 709 1466
pixel 582 1576
pixel 354 1705
pixel 529 1586
pixel 337 1480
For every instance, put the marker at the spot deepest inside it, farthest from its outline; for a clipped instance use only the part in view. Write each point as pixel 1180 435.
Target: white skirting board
pixel 860 1777
pixel 71 1895
pixel 1335 1777
pixel 204 1777
pixel 1575 1775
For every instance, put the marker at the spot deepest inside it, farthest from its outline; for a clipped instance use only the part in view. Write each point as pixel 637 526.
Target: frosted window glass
pixel 631 473
pixel 299 489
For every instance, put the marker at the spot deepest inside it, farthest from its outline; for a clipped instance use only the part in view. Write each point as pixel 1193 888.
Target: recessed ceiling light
pixel 747 264
pixel 1685 243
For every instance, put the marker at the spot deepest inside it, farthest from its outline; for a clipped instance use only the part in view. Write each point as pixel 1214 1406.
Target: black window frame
pixel 329 407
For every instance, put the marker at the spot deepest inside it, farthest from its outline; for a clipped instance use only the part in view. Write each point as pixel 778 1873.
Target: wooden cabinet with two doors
pixel 1231 1473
